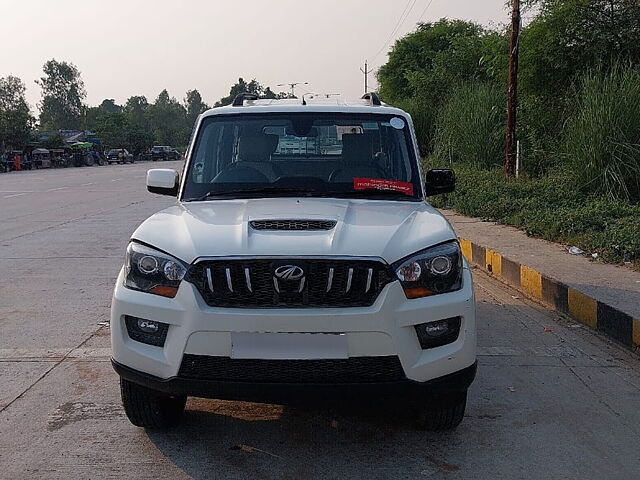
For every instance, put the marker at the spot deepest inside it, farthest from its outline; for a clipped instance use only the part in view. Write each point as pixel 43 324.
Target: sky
pixel 139 47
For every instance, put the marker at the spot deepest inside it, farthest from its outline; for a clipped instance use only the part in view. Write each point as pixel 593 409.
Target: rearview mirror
pixel 163 181
pixel 440 181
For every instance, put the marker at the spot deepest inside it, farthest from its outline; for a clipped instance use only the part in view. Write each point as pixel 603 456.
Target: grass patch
pixel 549 207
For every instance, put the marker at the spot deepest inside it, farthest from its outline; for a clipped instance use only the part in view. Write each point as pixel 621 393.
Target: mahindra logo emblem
pixel 289 272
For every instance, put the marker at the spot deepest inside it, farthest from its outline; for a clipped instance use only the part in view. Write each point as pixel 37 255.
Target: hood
pixel 385 229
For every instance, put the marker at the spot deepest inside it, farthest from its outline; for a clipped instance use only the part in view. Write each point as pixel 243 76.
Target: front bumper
pixel 291 393
pixel 384 329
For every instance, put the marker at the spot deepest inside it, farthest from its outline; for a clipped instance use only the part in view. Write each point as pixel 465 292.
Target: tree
pixel 251 87
pixel 94 114
pixel 569 37
pixel 140 136
pixel 63 96
pixel 194 106
pixel 431 60
pixel 16 121
pixel 167 119
pixel 113 129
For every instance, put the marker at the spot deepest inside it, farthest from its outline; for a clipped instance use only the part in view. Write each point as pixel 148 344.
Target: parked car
pixel 119 155
pixel 284 277
pixel 164 152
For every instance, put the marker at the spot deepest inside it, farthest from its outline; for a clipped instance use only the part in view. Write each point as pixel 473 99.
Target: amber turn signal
pixel 164 291
pixel 417 292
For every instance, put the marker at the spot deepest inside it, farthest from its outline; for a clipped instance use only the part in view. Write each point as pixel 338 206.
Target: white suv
pixel 301 263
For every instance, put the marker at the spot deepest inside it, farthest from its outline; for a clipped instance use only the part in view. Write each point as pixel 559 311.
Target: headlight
pixel 432 271
pixel 151 271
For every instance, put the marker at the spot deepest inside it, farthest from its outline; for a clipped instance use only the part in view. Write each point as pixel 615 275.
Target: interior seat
pixel 254 163
pixel 357 160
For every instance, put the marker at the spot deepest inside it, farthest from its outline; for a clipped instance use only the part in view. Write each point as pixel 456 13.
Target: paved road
pixel 552 400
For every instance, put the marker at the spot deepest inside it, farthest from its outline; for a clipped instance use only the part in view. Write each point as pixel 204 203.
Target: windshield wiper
pixel 252 191
pixel 365 193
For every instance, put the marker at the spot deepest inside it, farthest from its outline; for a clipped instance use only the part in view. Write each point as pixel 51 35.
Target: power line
pixel 425 11
pixel 403 17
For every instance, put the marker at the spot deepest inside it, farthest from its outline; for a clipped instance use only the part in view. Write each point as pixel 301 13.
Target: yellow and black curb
pixel 584 308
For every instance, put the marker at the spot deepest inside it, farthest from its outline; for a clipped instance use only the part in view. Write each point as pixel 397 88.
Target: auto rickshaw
pixel 41 158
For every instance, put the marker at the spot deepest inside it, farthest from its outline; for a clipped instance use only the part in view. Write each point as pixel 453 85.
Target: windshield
pixel 320 154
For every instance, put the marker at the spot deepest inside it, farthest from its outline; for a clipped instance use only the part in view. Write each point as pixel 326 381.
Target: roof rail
pixel 373 98
pixel 240 98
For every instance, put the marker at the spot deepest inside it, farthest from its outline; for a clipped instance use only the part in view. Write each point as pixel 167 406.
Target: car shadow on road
pixel 372 439
pixel 245 440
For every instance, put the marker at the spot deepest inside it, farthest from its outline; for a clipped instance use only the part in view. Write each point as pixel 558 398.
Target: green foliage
pixel 602 141
pixel 167 119
pixel 251 87
pixel 569 37
pixel 551 208
pixel 427 62
pixel 15 116
pixel 470 126
pixel 63 95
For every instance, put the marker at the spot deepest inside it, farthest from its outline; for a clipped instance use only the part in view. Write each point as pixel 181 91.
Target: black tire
pixel 148 408
pixel 443 413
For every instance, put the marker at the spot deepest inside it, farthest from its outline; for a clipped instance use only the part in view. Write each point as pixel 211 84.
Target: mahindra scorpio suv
pixel 302 262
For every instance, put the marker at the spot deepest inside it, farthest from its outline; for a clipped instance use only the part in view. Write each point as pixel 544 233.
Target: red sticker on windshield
pixel 380 184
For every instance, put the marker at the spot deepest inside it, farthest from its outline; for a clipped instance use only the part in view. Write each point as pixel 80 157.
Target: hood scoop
pixel 293 225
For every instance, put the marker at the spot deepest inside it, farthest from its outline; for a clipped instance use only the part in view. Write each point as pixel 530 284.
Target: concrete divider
pixel 583 307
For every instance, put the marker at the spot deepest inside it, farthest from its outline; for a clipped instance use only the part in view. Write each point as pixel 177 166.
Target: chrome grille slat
pixel 349 279
pixel 242 282
pixel 330 280
pixel 369 277
pixel 247 277
pixel 209 279
pixel 229 284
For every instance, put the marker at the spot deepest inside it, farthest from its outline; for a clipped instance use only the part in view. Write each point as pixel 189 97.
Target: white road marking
pixel 15 195
pixel 48 354
pixel 55 189
pixel 87 184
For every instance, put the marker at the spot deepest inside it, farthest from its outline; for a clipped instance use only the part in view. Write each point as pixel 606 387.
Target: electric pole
pixel 366 73
pixel 292 86
pixel 512 92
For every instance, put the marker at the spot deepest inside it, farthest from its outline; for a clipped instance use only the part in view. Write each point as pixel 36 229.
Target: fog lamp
pixel 437 334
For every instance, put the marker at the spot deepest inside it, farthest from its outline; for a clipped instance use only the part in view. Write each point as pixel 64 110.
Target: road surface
pixel 552 400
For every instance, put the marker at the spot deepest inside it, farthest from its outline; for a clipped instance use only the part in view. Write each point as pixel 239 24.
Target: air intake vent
pixel 298 225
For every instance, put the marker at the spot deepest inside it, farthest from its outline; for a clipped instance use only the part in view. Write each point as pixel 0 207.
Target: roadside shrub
pixel 551 208
pixel 602 141
pixel 470 126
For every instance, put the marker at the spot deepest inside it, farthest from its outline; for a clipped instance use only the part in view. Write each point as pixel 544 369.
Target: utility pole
pixel 366 73
pixel 512 92
pixel 293 87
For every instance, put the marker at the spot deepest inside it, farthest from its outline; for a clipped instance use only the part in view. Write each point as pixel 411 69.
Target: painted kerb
pixel 587 310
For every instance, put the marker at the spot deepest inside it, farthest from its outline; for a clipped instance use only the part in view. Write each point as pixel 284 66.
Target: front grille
pixel 350 370
pixel 296 225
pixel 253 283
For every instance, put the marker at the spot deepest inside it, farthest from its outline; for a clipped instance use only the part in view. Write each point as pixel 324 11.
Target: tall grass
pixel 602 139
pixel 470 126
pixel 424 116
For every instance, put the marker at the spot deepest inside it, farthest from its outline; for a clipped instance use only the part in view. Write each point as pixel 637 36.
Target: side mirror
pixel 163 181
pixel 439 182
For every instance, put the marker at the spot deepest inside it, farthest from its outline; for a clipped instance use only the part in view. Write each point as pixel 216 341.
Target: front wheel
pixel 444 412
pixel 148 408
